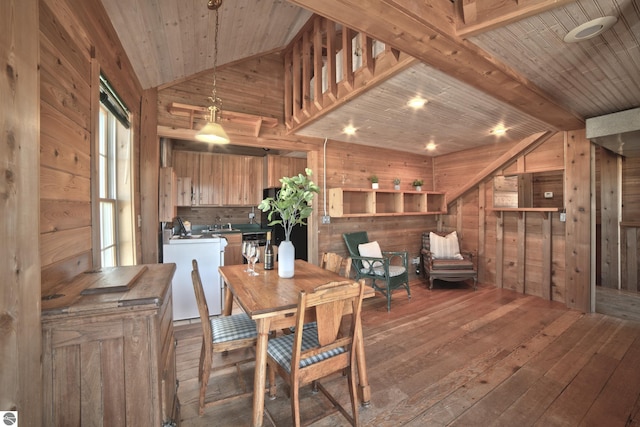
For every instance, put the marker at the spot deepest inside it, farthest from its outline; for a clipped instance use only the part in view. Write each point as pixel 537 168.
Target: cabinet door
pixel 187 164
pixel 168 195
pixel 185 191
pixel 278 166
pixel 211 183
pixel 254 181
pixel 233 250
pixel 234 177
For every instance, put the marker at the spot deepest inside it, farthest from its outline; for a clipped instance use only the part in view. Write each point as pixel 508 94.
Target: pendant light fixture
pixel 213 132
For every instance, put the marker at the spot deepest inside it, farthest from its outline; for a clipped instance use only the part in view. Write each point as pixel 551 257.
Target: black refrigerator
pixel 298 234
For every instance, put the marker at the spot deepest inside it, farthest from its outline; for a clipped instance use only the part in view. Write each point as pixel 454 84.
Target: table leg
pixel 260 375
pixel 365 390
pixel 228 301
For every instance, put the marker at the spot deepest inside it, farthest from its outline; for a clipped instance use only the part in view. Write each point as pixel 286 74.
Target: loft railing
pixel 327 64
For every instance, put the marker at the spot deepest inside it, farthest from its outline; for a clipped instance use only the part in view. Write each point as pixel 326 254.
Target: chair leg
pixel 295 402
pixel 205 372
pixel 430 282
pixel 272 382
pixel 353 394
pixel 388 298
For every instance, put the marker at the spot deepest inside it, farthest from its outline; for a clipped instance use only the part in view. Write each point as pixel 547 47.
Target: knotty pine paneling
pixel 351 165
pixel 64 145
pixel 630 188
pixel 65 244
pixel 253 86
pixel 71 33
pixel 453 171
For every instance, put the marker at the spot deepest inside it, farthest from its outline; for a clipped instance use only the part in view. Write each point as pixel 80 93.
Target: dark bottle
pixel 268 253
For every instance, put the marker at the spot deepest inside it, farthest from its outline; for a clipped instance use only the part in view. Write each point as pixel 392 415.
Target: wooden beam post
pixel 578 229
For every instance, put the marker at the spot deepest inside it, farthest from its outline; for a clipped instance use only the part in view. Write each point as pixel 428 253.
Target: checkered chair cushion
pixel 230 328
pixel 280 349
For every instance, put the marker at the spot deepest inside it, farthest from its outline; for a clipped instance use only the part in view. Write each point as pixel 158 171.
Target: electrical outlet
pixel 548 194
pixel 326 219
pixel 563 217
pixel 252 215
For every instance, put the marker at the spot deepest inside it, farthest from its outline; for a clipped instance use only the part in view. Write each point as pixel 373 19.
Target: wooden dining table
pixel 272 302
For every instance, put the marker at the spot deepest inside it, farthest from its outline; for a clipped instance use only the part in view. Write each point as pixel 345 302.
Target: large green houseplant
pixel 292 204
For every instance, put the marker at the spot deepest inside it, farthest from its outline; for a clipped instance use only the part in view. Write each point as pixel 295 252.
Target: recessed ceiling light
pixel 499 130
pixel 590 29
pixel 431 146
pixel 417 102
pixel 349 130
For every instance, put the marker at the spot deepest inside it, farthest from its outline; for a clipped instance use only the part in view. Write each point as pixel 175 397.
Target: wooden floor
pixel 453 356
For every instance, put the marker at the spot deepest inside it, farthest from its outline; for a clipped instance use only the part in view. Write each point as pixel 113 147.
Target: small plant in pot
pixel 291 206
pixel 417 183
pixel 374 181
pixel 396 183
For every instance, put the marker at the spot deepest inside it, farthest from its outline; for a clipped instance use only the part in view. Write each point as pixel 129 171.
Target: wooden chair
pixel 310 354
pixel 220 335
pixel 453 265
pixel 331 261
pixel 390 268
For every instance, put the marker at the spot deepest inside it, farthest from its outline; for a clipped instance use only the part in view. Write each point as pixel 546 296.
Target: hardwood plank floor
pixel 452 356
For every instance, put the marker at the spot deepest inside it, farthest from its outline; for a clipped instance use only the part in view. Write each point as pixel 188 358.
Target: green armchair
pixel 387 270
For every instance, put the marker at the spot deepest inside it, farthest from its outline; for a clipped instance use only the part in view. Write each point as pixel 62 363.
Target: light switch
pixel 548 194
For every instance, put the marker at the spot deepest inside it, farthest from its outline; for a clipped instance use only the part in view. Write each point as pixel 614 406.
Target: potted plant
pixel 396 183
pixel 374 181
pixel 417 183
pixel 291 205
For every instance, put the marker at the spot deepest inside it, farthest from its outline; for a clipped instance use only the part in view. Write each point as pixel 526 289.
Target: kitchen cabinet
pixel 168 195
pixel 218 179
pixel 211 180
pixel 243 180
pixel 279 166
pixel 108 349
pixel 187 167
pixel 233 251
pixel 185 191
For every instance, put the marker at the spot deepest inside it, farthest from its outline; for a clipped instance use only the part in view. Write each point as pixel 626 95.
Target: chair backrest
pixel 352 241
pixel 203 308
pixel 331 261
pixel 331 302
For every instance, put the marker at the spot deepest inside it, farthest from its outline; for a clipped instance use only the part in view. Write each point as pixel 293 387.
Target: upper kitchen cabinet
pixel 243 180
pixel 219 179
pixel 278 166
pixel 211 186
pixel 186 164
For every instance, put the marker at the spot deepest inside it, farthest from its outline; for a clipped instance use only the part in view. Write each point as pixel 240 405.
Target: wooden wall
pixel 76 42
pixel 20 339
pixel 513 248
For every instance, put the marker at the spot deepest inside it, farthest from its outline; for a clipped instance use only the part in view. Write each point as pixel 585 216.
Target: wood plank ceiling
pixel 512 69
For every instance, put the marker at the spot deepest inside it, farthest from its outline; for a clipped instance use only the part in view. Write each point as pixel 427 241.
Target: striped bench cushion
pixel 230 328
pixel 452 264
pixel 280 349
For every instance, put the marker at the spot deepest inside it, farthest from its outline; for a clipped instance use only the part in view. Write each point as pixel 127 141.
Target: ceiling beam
pixel 480 16
pixel 426 30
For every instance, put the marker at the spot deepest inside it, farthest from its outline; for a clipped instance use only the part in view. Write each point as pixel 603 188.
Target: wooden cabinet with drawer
pixel 109 349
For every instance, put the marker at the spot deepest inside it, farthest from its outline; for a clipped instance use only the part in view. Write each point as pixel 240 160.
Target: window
pixel 114 181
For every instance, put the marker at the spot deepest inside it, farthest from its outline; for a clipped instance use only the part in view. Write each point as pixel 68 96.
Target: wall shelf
pixel 543 211
pixel 362 202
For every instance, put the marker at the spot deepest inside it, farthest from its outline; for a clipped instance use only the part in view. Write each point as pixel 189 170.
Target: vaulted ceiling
pixel 481 64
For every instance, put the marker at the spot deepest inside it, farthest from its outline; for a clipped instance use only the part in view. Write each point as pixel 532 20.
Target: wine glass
pixel 245 254
pixel 254 255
